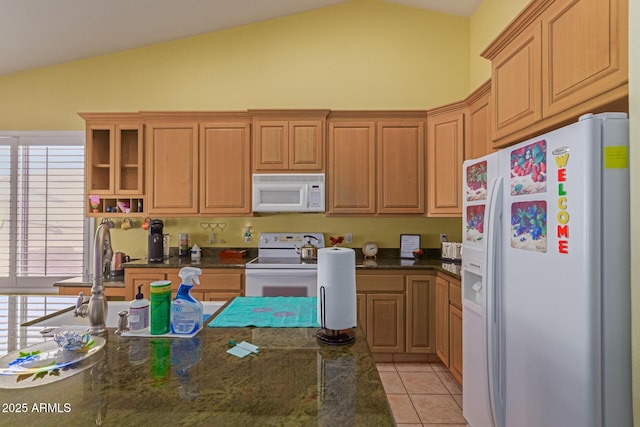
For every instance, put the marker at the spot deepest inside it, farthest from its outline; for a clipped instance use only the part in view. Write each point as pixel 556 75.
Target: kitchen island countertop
pixel 194 381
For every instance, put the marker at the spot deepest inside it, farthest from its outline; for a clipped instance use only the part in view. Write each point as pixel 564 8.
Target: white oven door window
pixel 281 283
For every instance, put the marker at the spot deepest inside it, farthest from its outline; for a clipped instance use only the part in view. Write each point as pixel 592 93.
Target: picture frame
pixel 409 243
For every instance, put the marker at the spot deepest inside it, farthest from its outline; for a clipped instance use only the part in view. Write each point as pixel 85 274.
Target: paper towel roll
pixel 337 288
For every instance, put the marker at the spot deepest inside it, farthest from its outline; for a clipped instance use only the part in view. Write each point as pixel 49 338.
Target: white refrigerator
pixel 546 280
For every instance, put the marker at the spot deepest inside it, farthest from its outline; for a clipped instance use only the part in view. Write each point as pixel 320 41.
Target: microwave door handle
pixel 304 191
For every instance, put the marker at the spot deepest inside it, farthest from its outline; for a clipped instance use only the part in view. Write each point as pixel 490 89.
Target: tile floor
pixel 422 394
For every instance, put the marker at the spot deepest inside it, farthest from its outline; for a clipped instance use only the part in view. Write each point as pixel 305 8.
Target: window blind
pixel 5 205
pixel 15 310
pixel 50 230
pixel 42 226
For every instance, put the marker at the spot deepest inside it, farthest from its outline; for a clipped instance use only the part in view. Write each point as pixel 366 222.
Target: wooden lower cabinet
pixel 455 342
pixel 449 324
pixel 442 320
pixel 216 284
pixel 396 311
pixel 385 322
pixel 421 316
pixel 142 278
pixel 380 300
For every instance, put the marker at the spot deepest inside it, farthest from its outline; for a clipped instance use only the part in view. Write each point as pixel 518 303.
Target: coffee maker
pixel 155 245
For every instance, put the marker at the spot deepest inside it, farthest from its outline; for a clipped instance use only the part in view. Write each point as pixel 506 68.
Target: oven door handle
pixel 280 272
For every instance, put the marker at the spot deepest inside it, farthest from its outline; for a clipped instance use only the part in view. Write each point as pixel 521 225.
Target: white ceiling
pixel 37 33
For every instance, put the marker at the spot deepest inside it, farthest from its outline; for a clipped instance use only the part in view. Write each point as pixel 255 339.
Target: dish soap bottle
pixel 139 313
pixel 186 311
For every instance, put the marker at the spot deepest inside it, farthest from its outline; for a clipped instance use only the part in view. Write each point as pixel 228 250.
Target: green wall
pixel 364 54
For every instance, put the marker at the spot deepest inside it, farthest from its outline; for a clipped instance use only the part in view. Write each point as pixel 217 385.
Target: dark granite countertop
pixel 84 281
pixel 387 259
pixel 210 259
pixel 193 381
pixel 397 263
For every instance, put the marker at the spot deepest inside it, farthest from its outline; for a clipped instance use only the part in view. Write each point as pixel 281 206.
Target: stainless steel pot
pixel 308 251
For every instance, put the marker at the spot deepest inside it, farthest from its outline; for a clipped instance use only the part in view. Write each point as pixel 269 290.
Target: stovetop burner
pixel 280 261
pixel 278 250
pixel 272 262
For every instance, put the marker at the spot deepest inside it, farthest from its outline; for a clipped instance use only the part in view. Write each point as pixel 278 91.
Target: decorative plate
pixel 46 356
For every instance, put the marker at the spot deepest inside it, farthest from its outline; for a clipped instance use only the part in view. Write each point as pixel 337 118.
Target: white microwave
pixel 302 192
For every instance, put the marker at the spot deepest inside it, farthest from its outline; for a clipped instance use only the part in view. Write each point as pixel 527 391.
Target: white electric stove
pixel 278 269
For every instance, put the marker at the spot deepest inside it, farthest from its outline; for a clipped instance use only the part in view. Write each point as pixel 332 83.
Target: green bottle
pixel 160 302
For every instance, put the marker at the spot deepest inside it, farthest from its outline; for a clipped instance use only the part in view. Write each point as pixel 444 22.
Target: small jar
pixel 166 241
pixel 183 244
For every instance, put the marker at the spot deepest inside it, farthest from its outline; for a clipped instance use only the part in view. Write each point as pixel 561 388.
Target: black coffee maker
pixel 155 245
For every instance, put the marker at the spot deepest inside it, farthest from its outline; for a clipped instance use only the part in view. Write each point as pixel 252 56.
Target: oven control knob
pixel 264 239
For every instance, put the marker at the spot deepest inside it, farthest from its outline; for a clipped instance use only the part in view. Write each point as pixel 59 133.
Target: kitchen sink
pixel 65 317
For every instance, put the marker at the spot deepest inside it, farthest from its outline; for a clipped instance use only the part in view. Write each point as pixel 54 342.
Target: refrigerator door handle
pixel 491 295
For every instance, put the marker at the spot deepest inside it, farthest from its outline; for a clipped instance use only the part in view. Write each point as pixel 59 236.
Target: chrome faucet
pixel 97 307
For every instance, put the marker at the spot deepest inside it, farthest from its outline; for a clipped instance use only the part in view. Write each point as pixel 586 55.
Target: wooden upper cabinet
pixel 172 173
pixel 225 169
pixel 445 142
pixel 556 61
pixel 288 140
pixel 129 159
pixel 100 159
pixel 585 45
pixel 351 181
pixel 400 169
pixel 271 145
pixel 114 161
pixel 306 145
pixel 477 124
pixel 516 83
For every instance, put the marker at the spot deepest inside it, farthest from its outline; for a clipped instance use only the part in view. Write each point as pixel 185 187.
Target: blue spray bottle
pixel 186 311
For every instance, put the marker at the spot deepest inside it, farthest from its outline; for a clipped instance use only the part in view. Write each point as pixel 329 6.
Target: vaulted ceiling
pixel 37 33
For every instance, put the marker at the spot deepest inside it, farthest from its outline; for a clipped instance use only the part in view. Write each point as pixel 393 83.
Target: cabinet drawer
pixel 226 281
pixel 380 283
pixel 455 297
pixel 210 281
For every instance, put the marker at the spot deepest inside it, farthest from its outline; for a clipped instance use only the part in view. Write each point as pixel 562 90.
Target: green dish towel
pixel 269 312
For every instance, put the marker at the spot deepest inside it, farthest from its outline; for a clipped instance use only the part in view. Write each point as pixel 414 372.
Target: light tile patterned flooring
pixel 422 394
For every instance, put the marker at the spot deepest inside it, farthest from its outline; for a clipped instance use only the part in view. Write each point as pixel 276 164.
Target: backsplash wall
pixel 384 231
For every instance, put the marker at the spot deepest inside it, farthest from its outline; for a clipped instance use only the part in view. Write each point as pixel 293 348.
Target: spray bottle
pixel 186 311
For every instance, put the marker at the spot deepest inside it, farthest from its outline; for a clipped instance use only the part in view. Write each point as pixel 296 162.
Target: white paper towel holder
pixel 332 336
pixel 336 296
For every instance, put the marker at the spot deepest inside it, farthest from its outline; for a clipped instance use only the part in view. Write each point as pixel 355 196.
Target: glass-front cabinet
pixel 114 164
